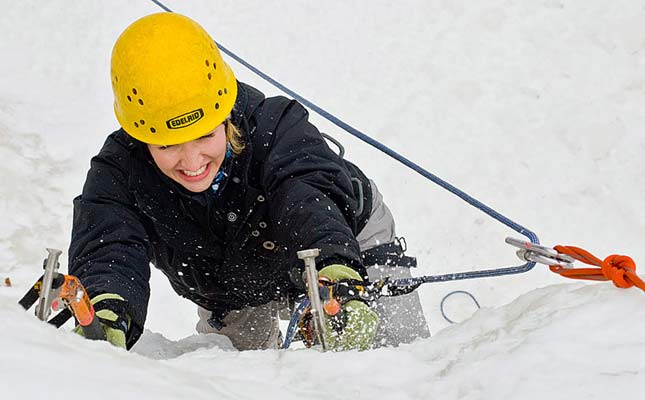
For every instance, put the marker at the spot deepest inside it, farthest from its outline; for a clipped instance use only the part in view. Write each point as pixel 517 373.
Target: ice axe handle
pixel 309 258
pixel 43 309
pixel 81 306
pixel 94 331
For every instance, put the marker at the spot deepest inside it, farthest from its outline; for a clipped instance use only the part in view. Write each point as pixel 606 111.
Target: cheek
pixel 221 144
pixel 164 160
pixel 216 147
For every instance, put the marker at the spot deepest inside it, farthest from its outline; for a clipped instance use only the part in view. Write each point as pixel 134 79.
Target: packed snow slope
pixel 534 108
pixel 558 342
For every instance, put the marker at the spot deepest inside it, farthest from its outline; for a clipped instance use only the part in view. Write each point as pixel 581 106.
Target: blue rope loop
pixel 426 174
pixel 452 293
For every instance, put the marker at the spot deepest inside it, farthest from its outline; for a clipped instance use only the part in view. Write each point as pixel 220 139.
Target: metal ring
pixel 359 184
pixel 341 149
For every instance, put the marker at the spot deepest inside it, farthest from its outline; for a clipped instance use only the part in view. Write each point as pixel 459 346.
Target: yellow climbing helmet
pixel 169 80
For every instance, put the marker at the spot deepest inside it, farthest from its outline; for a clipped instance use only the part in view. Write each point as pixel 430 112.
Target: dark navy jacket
pixel 228 249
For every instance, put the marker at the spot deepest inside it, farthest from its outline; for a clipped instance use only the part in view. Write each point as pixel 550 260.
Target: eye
pixel 165 147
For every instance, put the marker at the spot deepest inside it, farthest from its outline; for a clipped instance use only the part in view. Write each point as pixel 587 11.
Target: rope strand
pixel 619 269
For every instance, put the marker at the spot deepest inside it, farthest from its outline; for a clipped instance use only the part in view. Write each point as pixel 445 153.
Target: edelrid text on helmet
pixel 170 82
pixel 185 120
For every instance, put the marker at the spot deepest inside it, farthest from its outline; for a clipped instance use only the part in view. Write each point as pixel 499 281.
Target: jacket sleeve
pixel 109 250
pixel 311 197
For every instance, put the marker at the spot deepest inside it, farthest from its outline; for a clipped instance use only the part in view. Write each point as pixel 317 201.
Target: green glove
pixel 354 328
pixel 114 324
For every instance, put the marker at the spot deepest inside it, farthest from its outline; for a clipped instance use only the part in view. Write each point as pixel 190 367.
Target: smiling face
pixel 193 164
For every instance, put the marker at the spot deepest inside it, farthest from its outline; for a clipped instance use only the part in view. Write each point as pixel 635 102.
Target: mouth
pixel 195 175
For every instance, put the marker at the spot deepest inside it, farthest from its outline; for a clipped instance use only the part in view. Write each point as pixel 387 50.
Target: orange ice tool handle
pixel 76 299
pixel 335 294
pixel 331 304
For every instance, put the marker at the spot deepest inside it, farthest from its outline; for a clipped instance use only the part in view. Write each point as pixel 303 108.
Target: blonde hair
pixel 234 137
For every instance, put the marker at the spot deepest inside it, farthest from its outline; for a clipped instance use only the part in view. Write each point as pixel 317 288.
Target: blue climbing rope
pixel 293 323
pixel 428 175
pixel 160 4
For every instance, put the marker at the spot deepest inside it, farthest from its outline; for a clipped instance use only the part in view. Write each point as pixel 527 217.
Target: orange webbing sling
pixel 619 269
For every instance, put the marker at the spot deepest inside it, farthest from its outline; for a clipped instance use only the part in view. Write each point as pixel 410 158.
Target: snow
pixel 534 108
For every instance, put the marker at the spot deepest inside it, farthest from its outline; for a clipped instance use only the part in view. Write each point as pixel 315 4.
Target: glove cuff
pixel 111 309
pixel 339 272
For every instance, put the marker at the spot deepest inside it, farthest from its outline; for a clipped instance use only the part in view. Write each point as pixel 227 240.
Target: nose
pixel 191 155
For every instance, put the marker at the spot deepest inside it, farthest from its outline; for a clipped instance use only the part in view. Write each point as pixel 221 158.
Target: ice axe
pixel 56 291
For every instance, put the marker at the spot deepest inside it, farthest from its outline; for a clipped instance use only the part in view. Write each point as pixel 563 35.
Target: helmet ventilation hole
pixel 225 91
pixel 217 106
pixel 153 130
pixel 129 98
pixel 214 66
pixel 219 92
pixel 142 122
pixel 116 78
pixel 209 76
pixel 136 125
pixel 140 101
pixel 207 63
pixel 134 91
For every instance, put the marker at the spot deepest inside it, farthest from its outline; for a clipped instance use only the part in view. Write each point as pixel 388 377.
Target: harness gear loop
pixel 620 269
